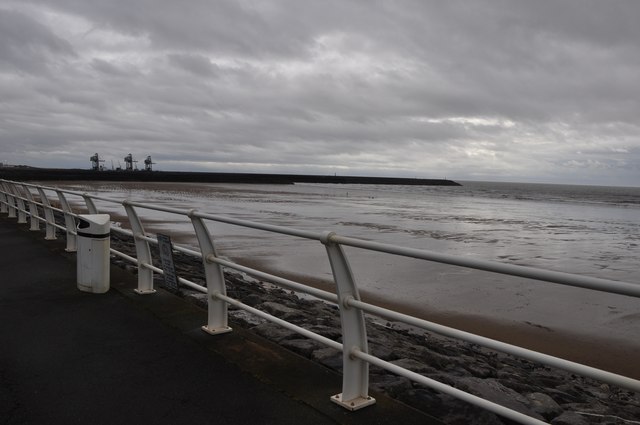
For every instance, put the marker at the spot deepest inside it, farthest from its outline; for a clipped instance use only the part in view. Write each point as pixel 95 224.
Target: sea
pixel 587 230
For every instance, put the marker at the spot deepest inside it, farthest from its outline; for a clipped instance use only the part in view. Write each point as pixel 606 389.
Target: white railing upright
pixel 143 251
pixel 48 214
pixel 217 317
pixel 33 209
pixel 355 381
pixel 69 222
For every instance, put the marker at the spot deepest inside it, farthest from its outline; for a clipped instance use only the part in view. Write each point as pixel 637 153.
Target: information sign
pixel 166 257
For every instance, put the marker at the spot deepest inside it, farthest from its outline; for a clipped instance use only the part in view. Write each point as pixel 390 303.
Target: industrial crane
pixel 128 163
pixel 148 163
pixel 95 162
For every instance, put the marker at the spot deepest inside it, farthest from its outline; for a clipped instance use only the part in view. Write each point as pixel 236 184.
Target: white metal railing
pixel 15 196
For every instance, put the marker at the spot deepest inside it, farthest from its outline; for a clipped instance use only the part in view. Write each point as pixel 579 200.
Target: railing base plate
pixel 216 331
pixel 144 291
pixel 354 404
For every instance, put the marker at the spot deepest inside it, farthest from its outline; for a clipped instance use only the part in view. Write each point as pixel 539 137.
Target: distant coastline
pixel 44 174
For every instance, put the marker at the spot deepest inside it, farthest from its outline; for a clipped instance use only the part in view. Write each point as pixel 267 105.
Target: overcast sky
pixel 539 91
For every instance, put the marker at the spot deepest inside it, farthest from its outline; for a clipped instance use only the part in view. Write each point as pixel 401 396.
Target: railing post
pixel 217 309
pixel 91 206
pixel 355 375
pixel 3 199
pixel 33 209
pixel 11 203
pixel 48 215
pixel 22 209
pixel 69 223
pixel 143 252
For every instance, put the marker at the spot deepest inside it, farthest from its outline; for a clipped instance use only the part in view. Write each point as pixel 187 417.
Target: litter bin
pixel 93 252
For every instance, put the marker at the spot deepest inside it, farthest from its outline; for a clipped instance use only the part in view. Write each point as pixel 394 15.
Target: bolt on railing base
pixel 144 291
pixel 353 404
pixel 216 331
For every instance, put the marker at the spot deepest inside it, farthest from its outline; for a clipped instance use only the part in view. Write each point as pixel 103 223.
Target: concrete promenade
pixel 68 357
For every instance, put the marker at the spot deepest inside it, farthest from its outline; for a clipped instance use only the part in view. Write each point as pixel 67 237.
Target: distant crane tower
pixel 95 162
pixel 148 163
pixel 128 163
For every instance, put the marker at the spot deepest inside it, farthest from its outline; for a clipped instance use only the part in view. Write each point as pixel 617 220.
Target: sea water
pixel 588 230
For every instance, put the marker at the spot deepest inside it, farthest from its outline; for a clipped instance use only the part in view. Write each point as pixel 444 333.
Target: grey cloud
pixel 196 64
pixel 228 27
pixel 26 45
pixel 111 70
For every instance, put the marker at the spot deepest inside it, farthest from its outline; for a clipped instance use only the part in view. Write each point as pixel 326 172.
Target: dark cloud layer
pixel 536 91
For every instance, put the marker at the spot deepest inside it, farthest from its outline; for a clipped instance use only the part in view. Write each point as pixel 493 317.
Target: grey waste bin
pixel 93 252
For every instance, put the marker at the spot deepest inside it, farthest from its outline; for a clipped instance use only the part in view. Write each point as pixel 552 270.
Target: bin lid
pixel 94 224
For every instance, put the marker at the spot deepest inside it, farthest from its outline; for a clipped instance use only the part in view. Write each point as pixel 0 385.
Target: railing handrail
pixel 356 358
pixel 562 278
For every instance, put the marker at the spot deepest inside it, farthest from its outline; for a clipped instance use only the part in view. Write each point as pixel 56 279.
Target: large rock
pixel 383 352
pixel 413 365
pixel 492 390
pixel 544 405
pixel 448 409
pixel 245 318
pixel 330 332
pixel 281 311
pixel 274 332
pixel 570 418
pixel 390 384
pixel 302 346
pixel 329 357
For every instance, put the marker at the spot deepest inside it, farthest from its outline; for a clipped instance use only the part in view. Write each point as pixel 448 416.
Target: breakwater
pixel 51 174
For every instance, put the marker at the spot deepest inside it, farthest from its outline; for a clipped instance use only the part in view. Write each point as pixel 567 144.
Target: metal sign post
pixel 166 257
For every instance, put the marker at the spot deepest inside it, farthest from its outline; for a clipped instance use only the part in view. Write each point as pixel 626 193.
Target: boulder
pixel 330 357
pixel 274 332
pixel 544 405
pixel 492 390
pixel 448 409
pixel 281 311
pixel 413 365
pixel 570 418
pixel 304 347
pixel 390 384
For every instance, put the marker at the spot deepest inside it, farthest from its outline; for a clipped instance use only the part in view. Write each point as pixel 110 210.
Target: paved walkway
pixel 69 357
